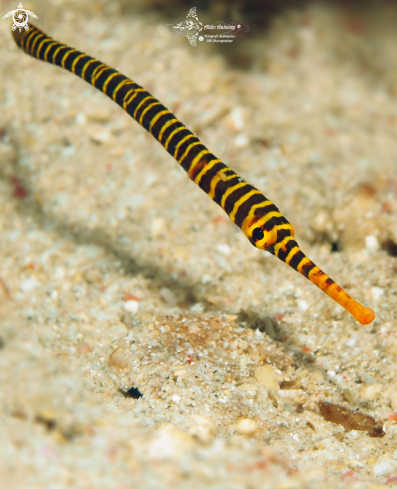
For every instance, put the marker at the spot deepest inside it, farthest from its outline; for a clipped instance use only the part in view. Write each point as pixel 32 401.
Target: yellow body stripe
pixel 253 208
pixel 85 68
pixel 214 182
pixel 146 110
pixel 197 160
pixel 141 103
pixel 241 201
pixel 97 73
pixel 183 140
pixel 121 84
pixel 279 227
pixel 167 124
pixel 282 243
pixel 315 271
pixel 230 190
pixel 76 61
pixel 35 41
pixel 94 73
pixel 126 98
pixel 41 45
pixel 303 262
pixel 187 151
pixel 268 216
pixel 156 118
pixel 205 169
pixel 66 55
pixel 134 94
pixel 27 39
pixel 110 77
pixel 47 50
pixel 175 131
pixel 291 254
pixel 56 52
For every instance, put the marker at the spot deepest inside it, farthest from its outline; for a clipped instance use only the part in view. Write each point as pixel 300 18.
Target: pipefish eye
pixel 257 234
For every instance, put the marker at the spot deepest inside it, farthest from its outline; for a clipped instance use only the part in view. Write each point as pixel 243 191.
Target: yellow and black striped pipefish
pixel 260 220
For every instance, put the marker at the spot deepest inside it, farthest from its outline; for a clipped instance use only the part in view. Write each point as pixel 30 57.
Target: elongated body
pixel 260 220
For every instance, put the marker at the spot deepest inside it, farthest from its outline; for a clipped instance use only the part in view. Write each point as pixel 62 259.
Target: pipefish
pixel 258 217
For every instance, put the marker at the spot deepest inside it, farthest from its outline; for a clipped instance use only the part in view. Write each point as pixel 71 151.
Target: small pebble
pixel 236 119
pixel 371 243
pixel 99 134
pixel 352 341
pixel 197 308
pixel 170 443
pixel 118 359
pixel 158 227
pixel 53 294
pixel 266 376
pixel 131 306
pixel 377 293
pixel 371 392
pixel 383 468
pixel 241 141
pixel 205 279
pixel 243 361
pixel 168 296
pixel 81 119
pixel 224 249
pixel 246 426
pixel 202 428
pixel 29 284
pixel 180 373
pixel 303 305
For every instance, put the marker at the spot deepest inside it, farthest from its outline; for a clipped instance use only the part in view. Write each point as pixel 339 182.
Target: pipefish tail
pixel 259 219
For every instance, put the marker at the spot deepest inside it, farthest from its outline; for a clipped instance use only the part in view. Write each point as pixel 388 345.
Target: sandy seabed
pixel 143 339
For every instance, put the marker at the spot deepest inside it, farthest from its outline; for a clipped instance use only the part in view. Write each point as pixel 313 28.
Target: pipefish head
pixel 267 228
pixel 259 237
